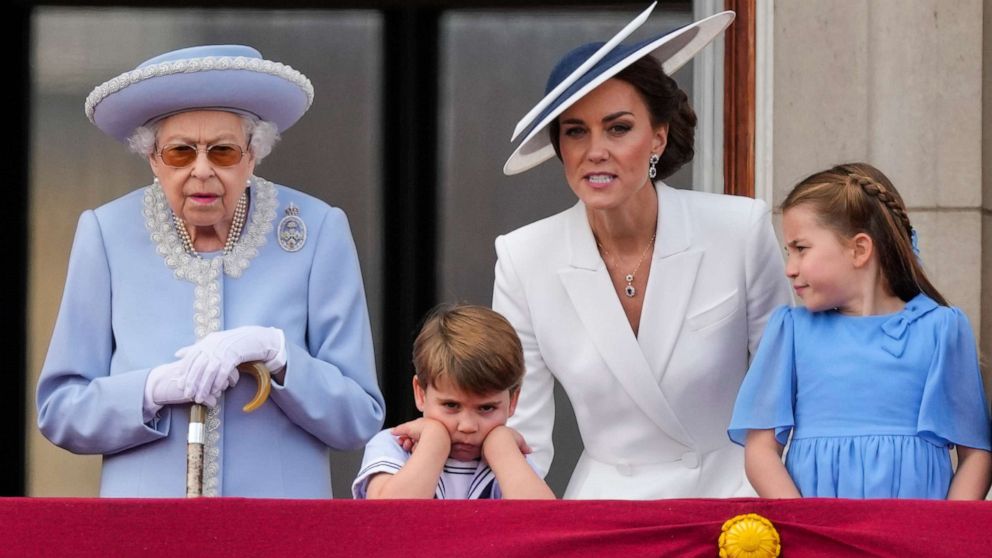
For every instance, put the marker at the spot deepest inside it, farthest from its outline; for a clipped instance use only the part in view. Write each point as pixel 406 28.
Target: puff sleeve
pixel 953 409
pixel 767 396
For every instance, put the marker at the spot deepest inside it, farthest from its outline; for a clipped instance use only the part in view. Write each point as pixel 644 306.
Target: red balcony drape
pixel 503 529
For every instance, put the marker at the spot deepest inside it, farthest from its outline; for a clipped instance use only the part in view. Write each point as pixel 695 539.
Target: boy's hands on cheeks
pixel 504 449
pixel 502 438
pixel 430 444
pixel 409 434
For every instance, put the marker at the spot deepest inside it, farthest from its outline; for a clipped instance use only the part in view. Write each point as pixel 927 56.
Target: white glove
pixel 167 385
pixel 215 358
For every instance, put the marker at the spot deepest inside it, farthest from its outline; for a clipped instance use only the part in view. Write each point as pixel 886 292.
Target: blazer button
pixel 625 469
pixel 690 459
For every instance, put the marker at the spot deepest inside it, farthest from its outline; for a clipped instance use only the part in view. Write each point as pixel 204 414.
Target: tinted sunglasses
pixel 179 155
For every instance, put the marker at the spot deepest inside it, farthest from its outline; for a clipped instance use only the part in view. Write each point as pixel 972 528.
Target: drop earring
pixel 652 170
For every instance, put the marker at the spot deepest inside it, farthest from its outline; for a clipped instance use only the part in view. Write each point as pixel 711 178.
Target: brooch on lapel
pixel 292 231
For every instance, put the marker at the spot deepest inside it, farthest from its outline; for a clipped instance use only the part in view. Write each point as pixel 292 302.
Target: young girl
pixel 878 376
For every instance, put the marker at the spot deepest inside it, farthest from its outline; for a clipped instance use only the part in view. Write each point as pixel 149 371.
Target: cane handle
pixel 257 370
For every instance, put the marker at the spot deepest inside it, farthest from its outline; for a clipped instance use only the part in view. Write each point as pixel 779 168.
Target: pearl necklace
pixel 237 225
pixel 629 290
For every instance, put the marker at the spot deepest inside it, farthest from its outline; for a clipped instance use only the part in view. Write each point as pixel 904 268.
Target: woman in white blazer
pixel 644 301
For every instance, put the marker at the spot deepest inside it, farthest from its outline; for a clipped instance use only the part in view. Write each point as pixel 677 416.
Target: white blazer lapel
pixel 673 273
pixel 590 290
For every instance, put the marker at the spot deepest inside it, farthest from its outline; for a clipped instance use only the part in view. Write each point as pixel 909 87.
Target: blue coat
pixel 126 310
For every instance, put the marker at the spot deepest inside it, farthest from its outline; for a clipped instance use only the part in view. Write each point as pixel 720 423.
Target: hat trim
pixel 193 65
pixel 519 162
pixel 547 151
pixel 581 70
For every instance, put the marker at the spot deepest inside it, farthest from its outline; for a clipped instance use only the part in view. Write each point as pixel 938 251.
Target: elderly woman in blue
pixel 174 285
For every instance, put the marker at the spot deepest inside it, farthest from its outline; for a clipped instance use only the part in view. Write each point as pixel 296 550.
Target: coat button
pixel 625 469
pixel 690 459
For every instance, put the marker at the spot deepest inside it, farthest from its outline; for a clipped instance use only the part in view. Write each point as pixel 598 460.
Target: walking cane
pixel 197 426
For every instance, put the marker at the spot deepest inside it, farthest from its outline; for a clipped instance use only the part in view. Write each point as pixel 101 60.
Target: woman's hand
pixel 215 358
pixel 170 384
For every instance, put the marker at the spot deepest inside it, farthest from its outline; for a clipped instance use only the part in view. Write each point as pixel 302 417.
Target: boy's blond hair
pixel 472 347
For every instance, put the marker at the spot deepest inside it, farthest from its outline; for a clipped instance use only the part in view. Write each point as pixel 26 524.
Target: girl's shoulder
pixel 785 320
pixel 923 316
pixel 788 315
pixel 923 311
pixel 918 314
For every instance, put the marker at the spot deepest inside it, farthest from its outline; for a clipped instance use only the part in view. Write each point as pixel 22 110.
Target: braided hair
pixel 857 198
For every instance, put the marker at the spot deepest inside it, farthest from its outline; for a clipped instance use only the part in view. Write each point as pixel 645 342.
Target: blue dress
pixel 875 401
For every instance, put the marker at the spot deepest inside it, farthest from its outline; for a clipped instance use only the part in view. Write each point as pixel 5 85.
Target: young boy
pixel 469 367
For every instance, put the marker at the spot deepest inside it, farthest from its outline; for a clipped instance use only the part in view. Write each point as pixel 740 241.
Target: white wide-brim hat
pixel 586 67
pixel 232 78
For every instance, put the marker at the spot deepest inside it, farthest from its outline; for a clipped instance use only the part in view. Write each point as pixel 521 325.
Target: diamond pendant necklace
pixel 629 290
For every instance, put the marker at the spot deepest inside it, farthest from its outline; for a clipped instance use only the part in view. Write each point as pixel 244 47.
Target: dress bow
pixel 895 328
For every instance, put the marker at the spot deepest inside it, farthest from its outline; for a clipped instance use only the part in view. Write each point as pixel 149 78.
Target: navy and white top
pixel 459 480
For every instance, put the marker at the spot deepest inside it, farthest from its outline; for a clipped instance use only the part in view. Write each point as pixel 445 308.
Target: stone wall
pixel 899 85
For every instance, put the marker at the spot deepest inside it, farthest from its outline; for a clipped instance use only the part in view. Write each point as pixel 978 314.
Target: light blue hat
pixel 586 67
pixel 212 77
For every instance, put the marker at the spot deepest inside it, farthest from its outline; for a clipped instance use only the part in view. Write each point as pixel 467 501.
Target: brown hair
pixel 667 104
pixel 857 198
pixel 473 347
